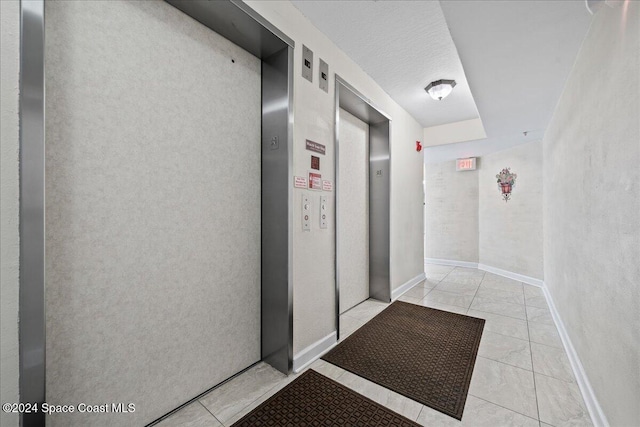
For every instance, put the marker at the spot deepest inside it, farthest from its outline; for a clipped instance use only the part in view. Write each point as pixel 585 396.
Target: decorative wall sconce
pixel 506 182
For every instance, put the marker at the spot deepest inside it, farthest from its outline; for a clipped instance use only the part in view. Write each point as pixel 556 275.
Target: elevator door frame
pixel 354 102
pixel 240 24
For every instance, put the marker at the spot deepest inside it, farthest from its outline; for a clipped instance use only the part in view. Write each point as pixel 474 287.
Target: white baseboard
pixel 451 262
pixel 511 275
pixel 598 417
pixel 314 352
pixel 595 411
pixel 397 292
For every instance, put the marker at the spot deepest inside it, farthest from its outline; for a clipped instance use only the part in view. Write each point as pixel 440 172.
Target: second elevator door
pixel 353 210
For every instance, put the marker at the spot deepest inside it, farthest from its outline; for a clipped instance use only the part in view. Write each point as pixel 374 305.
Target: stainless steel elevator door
pixel 152 208
pixel 353 210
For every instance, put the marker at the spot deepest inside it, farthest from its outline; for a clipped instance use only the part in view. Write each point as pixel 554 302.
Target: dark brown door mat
pixel 315 400
pixel 422 353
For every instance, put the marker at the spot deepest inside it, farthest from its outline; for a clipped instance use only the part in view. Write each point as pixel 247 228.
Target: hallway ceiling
pixel 403 46
pixel 516 56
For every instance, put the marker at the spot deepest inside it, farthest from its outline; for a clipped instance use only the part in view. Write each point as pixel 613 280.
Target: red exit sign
pixel 466 164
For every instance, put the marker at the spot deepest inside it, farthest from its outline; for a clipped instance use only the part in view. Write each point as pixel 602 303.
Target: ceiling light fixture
pixel 440 89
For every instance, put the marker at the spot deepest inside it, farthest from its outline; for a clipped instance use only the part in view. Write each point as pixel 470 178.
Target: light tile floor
pixel 522 375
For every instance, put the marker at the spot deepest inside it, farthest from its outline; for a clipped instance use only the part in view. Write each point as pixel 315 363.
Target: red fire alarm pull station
pixel 418 146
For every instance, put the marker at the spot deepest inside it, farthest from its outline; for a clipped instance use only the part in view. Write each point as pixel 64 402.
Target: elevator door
pixel 353 210
pixel 152 208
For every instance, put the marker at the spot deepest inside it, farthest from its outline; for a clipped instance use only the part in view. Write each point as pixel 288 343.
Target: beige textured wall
pixel 353 214
pixel 451 212
pixel 152 183
pixel 314 292
pixel 511 232
pixel 9 205
pixel 591 210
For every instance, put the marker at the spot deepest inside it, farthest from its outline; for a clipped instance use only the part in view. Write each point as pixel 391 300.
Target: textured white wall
pixel 451 212
pixel 314 292
pixel 591 210
pixel 152 184
pixel 465 130
pixel 511 232
pixel 9 205
pixel 353 236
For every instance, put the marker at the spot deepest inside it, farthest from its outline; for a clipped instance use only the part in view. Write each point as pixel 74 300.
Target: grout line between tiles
pixel 474 298
pixel 535 389
pixel 498 300
pixel 207 409
pixel 419 413
pixel 509 336
pixel 498 314
pixel 504 407
pixel 251 403
pixel 508 364
pixel 554 378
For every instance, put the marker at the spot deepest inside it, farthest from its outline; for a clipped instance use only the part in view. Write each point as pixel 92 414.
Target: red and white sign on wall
pixel 315 181
pixel 300 182
pixel 468 164
pixel 327 185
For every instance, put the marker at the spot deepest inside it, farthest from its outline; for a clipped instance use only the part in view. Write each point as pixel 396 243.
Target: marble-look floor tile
pixel 435 277
pixel 560 403
pixel 539 315
pixel 192 415
pixel 417 292
pixel 429 284
pixel 499 307
pixel 348 325
pixel 366 310
pixel 501 283
pixel 327 369
pixel 514 297
pixel 449 298
pixel 437 268
pixel 231 397
pixel 505 385
pixel 496 278
pixel 429 417
pixel 390 399
pixel 551 361
pixel 540 302
pixel 403 405
pixel 464 277
pixel 469 270
pixel 545 334
pixel 260 400
pixel 469 289
pixel 405 298
pixel 531 291
pixel 477 413
pixel 504 325
pixel 444 307
pixel 509 350
pixel 367 388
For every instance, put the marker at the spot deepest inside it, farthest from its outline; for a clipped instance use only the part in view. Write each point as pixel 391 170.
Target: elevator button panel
pixel 307 63
pixel 324 211
pixel 306 213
